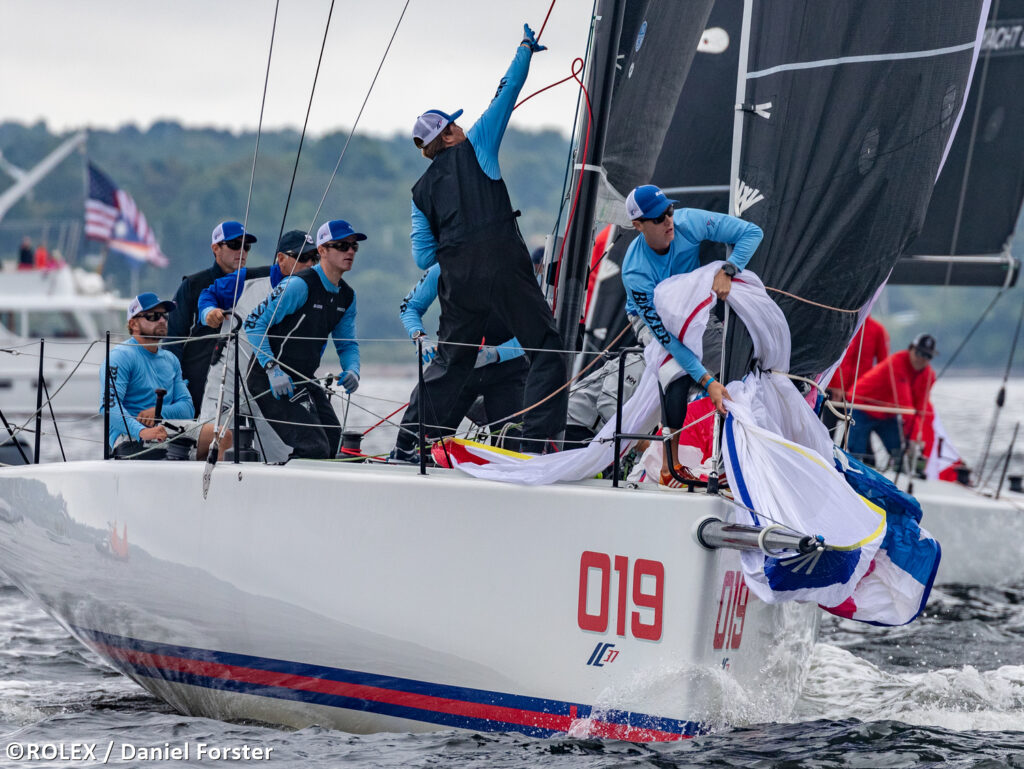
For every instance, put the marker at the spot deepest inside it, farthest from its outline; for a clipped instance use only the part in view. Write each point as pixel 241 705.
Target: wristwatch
pixel 730 269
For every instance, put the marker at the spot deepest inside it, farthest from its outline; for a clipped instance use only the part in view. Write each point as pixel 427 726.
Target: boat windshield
pixel 108 320
pixel 9 322
pixel 53 324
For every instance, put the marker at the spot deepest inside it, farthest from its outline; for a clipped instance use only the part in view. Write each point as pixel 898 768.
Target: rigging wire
pixel 359 116
pixel 218 428
pixel 344 149
pixel 1001 396
pixel 970 333
pixel 305 123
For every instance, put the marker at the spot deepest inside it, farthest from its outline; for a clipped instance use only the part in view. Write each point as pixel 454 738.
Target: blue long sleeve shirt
pixel 485 136
pixel 643 269
pixel 221 293
pixel 418 301
pixel 135 373
pixel 288 298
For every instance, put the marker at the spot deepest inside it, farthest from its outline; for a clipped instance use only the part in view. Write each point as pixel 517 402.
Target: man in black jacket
pixel 230 245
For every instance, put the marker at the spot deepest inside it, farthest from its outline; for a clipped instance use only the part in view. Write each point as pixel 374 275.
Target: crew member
pixel 869 347
pixel 288 331
pixel 462 219
pixel 670 245
pixel 295 252
pixel 498 376
pixel 903 380
pixel 137 369
pixel 230 245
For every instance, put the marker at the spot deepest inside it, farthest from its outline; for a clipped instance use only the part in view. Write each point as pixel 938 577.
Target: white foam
pixel 841 685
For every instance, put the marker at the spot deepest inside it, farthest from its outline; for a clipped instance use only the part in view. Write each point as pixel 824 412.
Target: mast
pixel 31 178
pixel 741 93
pixel 587 172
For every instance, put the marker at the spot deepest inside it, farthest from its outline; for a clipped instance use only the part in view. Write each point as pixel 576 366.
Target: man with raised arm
pixel 670 245
pixel 498 376
pixel 288 331
pixel 462 219
pixel 137 369
pixel 194 343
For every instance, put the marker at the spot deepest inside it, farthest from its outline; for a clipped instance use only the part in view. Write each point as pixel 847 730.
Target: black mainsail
pixel 839 139
pixel 974 209
pixel 689 159
pixel 641 56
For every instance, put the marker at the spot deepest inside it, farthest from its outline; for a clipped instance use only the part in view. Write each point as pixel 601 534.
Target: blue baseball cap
pixel 230 231
pixel 647 202
pixel 430 124
pixel 146 302
pixel 336 229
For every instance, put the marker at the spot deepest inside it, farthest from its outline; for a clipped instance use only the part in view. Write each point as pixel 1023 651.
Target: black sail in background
pixel 690 149
pixel 693 166
pixel 656 42
pixel 977 200
pixel 849 109
pixel 656 48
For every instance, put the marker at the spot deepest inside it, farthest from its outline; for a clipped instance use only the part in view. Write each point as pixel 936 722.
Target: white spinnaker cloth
pixel 684 303
pixel 796 485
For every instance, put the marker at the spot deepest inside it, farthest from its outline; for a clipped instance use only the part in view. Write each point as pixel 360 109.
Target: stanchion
pixel 39 401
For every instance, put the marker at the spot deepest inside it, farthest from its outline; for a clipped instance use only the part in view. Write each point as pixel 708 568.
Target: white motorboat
pixel 68 309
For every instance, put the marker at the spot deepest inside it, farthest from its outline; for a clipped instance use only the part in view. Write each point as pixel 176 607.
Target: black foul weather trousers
pixel 494 279
pixel 306 421
pixel 500 384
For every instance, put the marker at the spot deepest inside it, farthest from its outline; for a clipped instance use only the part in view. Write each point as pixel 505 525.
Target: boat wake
pixel 841 685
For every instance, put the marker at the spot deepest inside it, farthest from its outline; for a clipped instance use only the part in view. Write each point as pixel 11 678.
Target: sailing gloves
pixel 529 39
pixel 350 381
pixel 280 383
pixel 487 355
pixel 640 329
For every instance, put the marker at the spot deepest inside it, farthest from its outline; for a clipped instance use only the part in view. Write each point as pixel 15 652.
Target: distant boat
pixel 71 310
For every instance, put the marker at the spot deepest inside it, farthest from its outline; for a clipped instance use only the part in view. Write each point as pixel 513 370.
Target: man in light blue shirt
pixel 669 244
pixel 137 370
pixel 462 218
pixel 288 331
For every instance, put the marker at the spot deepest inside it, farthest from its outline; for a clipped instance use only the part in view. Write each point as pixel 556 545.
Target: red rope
pixel 550 8
pixel 576 70
pixel 385 419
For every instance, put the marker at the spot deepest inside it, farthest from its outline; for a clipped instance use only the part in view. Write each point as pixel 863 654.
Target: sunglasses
pixel 343 246
pixel 659 219
pixel 153 317
pixel 309 256
pixel 925 355
pixel 237 245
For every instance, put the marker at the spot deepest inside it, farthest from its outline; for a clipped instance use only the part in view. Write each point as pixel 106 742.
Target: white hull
pixel 980 536
pixel 371 598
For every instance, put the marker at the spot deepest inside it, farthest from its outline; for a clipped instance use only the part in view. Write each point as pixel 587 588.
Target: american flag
pixel 112 216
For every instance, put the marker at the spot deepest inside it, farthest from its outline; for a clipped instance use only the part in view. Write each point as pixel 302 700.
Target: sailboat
pixel 372 598
pixel 965 241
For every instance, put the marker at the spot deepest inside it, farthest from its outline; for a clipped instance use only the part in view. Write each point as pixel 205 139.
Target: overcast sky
pixel 104 63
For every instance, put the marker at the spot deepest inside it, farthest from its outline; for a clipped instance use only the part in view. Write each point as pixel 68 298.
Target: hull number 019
pixel 638 601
